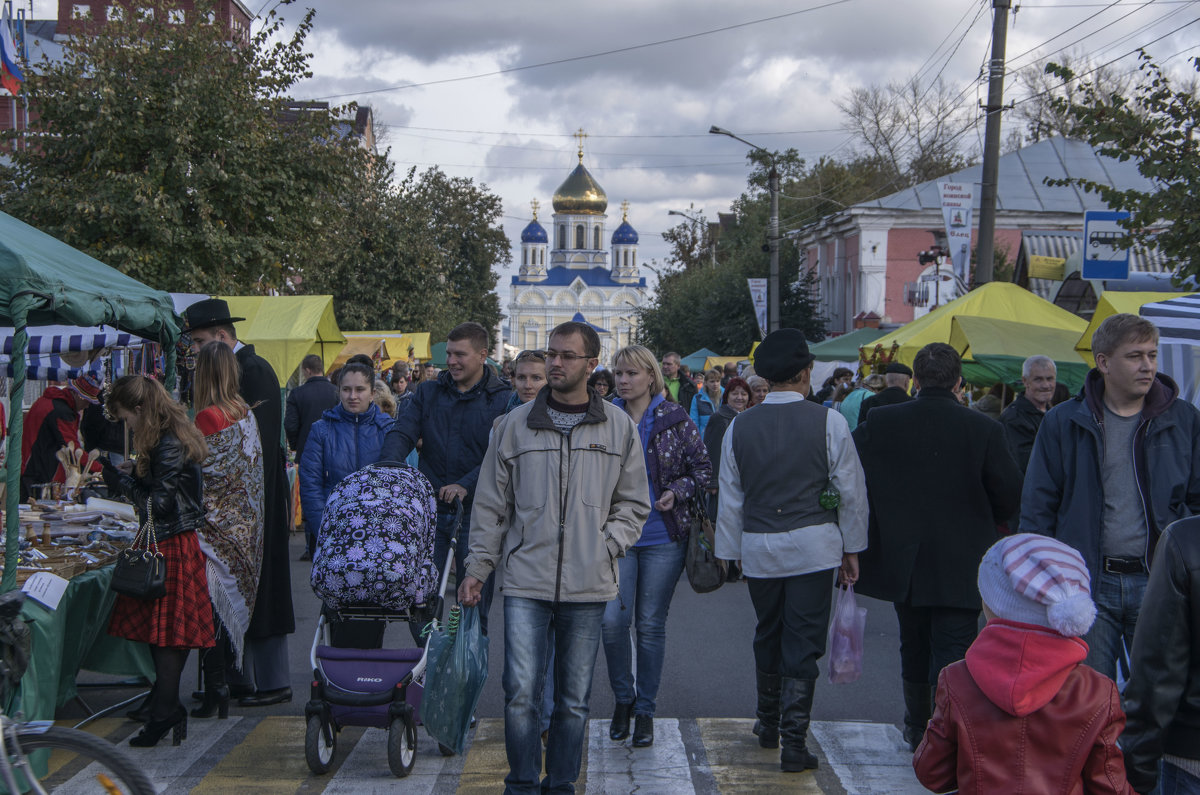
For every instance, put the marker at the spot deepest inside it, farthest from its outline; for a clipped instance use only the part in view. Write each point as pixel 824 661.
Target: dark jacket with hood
pixel 1162 698
pixel 1022 714
pixel 338 444
pixel 454 426
pixel 1064 494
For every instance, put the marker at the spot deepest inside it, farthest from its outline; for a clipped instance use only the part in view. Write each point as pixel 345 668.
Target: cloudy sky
pixel 646 80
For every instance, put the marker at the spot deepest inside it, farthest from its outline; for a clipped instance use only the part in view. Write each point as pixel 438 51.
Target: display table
pixel 71 638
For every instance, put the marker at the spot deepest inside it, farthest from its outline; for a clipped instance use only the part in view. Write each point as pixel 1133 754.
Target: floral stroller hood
pixel 375 544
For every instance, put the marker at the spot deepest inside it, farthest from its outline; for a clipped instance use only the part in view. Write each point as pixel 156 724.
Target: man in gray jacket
pixel 561 495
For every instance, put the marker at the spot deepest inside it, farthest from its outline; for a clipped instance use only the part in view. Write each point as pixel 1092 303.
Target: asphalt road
pixel 709 670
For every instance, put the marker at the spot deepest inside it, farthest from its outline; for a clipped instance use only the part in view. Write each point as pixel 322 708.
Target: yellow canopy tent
pixel 1112 303
pixel 998 300
pixel 368 346
pixel 398 343
pixel 994 350
pixel 721 361
pixel 286 328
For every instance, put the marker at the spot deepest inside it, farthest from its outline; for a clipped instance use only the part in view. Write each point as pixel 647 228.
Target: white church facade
pixel 567 274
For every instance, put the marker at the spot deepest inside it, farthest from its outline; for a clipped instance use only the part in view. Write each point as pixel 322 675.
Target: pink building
pixel 866 256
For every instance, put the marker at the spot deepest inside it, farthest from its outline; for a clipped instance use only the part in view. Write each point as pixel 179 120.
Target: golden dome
pixel 580 194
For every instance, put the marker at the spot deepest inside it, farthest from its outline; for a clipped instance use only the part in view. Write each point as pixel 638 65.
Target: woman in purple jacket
pixel 678 469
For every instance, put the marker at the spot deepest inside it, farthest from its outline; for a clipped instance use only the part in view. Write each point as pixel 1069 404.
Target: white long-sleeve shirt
pixel 804 549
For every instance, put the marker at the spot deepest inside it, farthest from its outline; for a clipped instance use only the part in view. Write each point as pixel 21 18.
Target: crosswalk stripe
pixel 869 758
pixel 740 766
pixel 618 767
pixel 269 759
pixel 101 728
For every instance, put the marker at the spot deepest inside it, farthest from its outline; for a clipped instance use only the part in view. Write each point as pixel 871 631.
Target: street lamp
pixel 712 248
pixel 772 230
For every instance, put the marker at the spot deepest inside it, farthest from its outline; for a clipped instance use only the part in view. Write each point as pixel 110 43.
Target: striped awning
pixel 1178 320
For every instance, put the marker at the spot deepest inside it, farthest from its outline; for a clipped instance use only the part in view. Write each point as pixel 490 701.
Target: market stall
pixel 1113 302
pixel 285 328
pixel 1178 322
pixel 401 346
pixel 993 351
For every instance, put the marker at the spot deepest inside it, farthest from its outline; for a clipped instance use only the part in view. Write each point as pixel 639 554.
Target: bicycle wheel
pixel 101 767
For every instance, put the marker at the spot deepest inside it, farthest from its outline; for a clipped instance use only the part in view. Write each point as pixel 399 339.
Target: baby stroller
pixel 374 562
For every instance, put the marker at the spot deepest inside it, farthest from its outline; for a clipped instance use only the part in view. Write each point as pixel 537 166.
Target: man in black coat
pixel 897 377
pixel 265 678
pixel 939 479
pixel 305 405
pixel 1024 415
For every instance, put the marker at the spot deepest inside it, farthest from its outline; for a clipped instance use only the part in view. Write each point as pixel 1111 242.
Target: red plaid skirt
pixel 183 617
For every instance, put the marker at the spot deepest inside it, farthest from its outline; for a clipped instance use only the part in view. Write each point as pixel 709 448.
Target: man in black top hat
pixel 265 677
pixel 793 510
pixel 897 376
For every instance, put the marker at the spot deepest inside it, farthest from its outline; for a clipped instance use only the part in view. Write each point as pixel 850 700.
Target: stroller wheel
pixel 402 744
pixel 320 743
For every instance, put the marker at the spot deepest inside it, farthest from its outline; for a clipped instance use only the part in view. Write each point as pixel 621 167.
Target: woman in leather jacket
pixel 166 481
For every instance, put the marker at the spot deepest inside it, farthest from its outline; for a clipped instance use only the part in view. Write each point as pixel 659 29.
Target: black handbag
pixel 705 572
pixel 141 570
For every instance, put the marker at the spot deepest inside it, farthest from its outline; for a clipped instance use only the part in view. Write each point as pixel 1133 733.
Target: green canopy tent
pixel 44 282
pixel 845 348
pixel 695 360
pixel 993 350
pixel 437 356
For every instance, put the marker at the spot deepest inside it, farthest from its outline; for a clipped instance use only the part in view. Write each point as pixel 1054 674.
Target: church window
pixel 579 236
pixel 542 257
pixel 562 236
pixel 596 239
pixel 525 257
pixel 626 258
pixel 578 287
pixel 634 260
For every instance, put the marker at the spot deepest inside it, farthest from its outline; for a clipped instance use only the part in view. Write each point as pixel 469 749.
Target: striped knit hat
pixel 1034 579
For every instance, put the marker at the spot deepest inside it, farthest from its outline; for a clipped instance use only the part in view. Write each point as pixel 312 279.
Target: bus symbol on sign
pixel 1102 256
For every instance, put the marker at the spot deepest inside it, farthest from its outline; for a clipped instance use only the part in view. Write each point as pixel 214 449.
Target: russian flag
pixel 11 76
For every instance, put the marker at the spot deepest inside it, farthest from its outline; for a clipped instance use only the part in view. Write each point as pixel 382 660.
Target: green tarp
pixel 994 350
pixel 845 348
pixel 695 360
pixel 44 282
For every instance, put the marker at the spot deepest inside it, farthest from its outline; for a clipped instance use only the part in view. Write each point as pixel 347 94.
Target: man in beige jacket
pixel 561 495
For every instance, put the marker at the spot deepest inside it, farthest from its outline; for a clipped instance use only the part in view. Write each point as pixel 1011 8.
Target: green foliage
pixel 161 150
pixel 1155 125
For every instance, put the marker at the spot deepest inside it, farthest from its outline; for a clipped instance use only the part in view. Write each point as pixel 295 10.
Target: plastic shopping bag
pixel 456 670
pixel 846 630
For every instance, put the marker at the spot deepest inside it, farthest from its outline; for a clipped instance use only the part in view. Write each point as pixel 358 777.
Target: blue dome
pixel 625 235
pixel 534 233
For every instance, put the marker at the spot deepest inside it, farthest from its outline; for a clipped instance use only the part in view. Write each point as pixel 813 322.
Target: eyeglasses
pixel 567 357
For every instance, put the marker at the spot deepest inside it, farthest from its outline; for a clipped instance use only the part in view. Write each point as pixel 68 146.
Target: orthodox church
pixel 577 279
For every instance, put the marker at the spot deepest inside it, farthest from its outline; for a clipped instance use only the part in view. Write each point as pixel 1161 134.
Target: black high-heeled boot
pixel 216 692
pixel 141 713
pixel 154 731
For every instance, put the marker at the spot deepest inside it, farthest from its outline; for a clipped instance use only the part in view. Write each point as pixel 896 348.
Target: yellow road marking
pixel 269 759
pixel 740 766
pixel 486 764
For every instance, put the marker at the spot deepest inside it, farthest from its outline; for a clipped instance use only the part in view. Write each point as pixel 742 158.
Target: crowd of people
pixel 1067 521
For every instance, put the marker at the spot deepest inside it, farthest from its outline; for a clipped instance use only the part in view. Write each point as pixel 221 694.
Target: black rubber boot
pixel 766 728
pixel 619 728
pixel 216 692
pixel 918 708
pixel 795 701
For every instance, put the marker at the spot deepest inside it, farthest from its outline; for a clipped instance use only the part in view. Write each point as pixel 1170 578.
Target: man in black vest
pixel 897 377
pixel 793 509
pixel 940 479
pixel 305 405
pixel 265 677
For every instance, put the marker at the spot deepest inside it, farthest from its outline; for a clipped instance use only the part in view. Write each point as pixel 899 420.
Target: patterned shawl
pixel 232 537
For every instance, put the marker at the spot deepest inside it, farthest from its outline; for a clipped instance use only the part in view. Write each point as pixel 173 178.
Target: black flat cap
pixel 782 355
pixel 897 367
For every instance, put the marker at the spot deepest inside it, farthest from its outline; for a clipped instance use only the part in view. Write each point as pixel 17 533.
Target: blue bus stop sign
pixel 1102 258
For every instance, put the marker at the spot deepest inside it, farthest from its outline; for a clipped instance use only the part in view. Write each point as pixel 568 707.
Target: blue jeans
pixel 1175 781
pixel 647 577
pixel 531 628
pixel 1118 600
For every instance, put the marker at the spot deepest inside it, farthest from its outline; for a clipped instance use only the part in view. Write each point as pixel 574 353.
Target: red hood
pixel 59 393
pixel 1021 667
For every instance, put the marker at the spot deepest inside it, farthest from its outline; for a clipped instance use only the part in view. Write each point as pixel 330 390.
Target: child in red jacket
pixel 1021 713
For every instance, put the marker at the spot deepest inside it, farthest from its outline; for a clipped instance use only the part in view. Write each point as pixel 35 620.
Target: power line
pixel 575 58
pixel 602 135
pixel 599 169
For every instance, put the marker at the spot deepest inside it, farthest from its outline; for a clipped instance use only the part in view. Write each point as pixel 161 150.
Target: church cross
pixel 625 210
pixel 580 135
pixel 535 204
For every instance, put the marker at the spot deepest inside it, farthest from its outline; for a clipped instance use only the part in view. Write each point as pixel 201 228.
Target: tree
pixel 1156 126
pixel 913 133
pixel 175 158
pixel 1042 111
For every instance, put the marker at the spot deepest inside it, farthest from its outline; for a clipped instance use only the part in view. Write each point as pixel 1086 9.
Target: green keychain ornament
pixel 830 497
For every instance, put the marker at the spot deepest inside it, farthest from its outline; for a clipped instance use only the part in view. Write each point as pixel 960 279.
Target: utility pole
pixel 773 316
pixel 991 145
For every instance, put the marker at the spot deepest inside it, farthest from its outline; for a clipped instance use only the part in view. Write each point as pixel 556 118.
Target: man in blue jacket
pixel 1110 469
pixel 452 417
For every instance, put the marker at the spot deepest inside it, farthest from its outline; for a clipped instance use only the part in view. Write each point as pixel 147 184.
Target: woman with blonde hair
pixel 678 469
pixel 385 399
pixel 165 485
pixel 232 535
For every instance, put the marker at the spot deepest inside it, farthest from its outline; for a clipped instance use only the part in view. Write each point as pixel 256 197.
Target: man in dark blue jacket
pixel 1110 469
pixel 452 417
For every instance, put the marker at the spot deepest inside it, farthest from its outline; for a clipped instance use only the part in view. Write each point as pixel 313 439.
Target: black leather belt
pixel 1124 566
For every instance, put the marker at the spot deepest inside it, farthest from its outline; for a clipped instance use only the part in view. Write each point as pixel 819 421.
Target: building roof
pixel 625 234
pixel 560 276
pixel 1064 244
pixel 580 193
pixel 534 233
pixel 1021 183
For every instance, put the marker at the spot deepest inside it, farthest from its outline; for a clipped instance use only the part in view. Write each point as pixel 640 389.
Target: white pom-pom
pixel 1072 616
